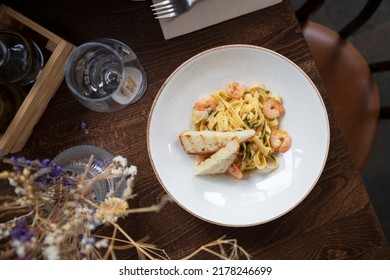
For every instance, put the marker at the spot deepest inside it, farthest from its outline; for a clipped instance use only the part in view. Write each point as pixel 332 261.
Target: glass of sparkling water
pixel 105 75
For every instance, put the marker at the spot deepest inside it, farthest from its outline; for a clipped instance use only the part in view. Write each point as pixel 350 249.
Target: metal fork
pixel 171 8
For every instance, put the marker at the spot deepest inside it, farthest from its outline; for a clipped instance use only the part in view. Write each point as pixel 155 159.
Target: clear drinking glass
pixel 21 60
pixel 105 75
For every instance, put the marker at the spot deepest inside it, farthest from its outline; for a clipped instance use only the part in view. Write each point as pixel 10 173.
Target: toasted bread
pixel 220 161
pixel 208 142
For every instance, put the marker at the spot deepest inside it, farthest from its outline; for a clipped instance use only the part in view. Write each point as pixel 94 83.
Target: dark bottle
pixel 11 98
pixel 21 60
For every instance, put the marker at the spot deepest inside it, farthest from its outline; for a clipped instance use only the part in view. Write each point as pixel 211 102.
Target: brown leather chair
pixel 347 78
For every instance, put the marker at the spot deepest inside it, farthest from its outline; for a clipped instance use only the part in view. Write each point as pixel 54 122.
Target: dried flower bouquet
pixel 54 215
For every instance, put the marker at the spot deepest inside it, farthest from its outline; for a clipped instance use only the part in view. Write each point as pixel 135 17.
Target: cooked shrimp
pixel 235 171
pixel 280 140
pixel 206 103
pixel 235 90
pixel 272 109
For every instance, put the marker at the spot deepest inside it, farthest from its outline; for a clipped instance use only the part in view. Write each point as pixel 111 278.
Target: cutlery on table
pixel 171 8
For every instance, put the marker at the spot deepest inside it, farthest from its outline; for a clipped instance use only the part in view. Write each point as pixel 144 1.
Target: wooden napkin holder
pixel 44 88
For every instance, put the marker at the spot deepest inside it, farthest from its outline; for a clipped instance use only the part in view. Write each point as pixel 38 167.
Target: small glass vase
pixel 75 161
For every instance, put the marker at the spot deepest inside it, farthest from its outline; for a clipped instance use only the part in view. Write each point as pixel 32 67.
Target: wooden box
pixel 43 89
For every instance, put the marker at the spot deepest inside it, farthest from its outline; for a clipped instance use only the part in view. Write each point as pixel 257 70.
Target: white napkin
pixel 210 12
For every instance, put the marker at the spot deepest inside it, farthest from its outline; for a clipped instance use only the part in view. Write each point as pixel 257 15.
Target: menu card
pixel 209 12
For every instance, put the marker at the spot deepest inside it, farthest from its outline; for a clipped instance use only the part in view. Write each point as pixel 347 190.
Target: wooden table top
pixel 335 221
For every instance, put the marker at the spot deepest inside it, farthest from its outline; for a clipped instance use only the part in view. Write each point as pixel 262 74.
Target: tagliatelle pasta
pixel 240 108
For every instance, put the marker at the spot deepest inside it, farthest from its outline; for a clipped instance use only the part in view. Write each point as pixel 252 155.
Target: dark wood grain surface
pixel 335 221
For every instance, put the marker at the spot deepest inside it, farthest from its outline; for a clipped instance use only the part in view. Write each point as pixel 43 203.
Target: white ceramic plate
pixel 258 197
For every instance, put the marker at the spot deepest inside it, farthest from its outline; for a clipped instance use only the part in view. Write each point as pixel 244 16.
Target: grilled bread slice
pixel 220 161
pixel 208 142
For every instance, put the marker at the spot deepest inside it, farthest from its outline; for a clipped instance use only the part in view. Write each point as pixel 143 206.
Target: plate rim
pixel 189 60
